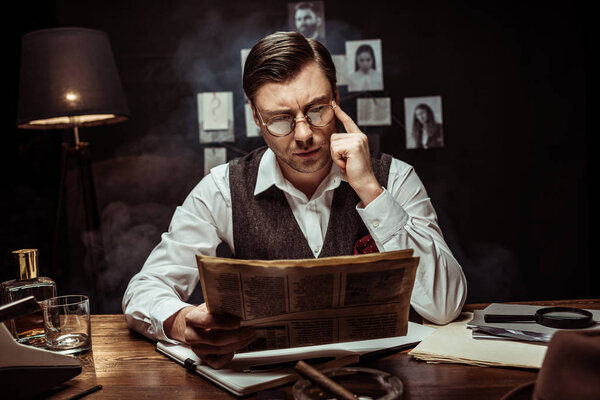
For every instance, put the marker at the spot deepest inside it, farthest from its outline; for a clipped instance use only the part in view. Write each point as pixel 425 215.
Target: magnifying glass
pixel 554 317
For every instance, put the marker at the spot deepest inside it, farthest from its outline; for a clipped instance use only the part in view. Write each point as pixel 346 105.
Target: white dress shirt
pixel 401 217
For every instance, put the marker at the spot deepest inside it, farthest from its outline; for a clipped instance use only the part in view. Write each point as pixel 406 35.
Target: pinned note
pixel 252 130
pixel 341 74
pixel 215 110
pixel 374 111
pixel 215 117
pixel 214 156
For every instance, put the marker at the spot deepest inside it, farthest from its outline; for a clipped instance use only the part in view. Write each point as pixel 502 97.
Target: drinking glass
pixel 67 324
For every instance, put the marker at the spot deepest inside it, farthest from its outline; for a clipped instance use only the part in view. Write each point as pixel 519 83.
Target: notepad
pixel 239 381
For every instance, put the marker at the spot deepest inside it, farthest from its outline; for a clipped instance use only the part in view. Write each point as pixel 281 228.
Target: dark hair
pixel 364 48
pixel 306 5
pixel 279 57
pixel 417 125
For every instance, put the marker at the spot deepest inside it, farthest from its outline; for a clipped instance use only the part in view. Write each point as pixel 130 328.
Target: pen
pixel 86 392
pixel 286 364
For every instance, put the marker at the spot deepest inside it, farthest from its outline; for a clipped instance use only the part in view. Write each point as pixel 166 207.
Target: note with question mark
pixel 215 110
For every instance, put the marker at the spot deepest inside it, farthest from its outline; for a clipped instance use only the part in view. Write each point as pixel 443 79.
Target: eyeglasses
pixel 283 124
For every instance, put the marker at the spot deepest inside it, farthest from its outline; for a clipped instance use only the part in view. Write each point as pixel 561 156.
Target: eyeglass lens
pixel 316 116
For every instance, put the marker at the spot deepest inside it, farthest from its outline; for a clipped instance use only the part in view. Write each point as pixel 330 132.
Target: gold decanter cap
pixel 26 261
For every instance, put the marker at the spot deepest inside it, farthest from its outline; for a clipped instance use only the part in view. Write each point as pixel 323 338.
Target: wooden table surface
pixel 127 365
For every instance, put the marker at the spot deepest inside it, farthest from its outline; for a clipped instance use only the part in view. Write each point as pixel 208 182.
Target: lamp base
pixel 80 153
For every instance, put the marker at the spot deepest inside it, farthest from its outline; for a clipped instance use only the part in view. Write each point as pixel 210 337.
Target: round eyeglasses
pixel 284 124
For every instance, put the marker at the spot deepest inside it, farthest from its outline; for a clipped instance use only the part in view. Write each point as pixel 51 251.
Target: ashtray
pixel 365 383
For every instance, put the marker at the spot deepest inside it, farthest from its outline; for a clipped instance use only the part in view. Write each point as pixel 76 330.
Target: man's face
pixel 307 23
pixel 306 149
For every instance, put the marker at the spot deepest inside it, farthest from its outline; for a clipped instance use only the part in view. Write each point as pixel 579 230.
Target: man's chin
pixel 309 166
pixel 308 33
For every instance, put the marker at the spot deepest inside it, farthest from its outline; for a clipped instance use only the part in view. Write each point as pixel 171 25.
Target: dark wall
pixel 511 185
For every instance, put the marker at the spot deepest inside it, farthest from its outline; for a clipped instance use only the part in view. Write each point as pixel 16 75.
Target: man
pixel 312 193
pixel 308 22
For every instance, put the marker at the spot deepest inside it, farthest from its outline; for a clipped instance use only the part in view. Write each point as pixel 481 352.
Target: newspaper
pixel 293 303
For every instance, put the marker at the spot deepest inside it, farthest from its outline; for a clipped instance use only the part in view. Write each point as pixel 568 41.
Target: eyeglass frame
pixel 293 125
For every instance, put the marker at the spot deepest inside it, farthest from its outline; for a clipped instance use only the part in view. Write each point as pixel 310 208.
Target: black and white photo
pixel 364 63
pixel 424 127
pixel 308 18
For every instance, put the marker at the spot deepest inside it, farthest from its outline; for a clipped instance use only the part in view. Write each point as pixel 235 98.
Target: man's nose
pixel 302 132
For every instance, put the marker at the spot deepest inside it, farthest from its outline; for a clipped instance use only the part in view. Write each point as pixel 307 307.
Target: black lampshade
pixel 69 78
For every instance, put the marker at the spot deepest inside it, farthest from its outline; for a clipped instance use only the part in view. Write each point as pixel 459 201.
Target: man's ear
pixel 254 116
pixel 336 95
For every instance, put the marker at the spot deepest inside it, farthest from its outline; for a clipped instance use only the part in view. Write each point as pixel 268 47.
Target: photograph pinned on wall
pixel 424 122
pixel 215 117
pixel 308 18
pixel 214 156
pixel 243 56
pixel 252 130
pixel 374 111
pixel 341 69
pixel 364 65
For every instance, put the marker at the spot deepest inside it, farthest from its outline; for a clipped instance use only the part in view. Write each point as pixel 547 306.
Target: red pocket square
pixel 365 245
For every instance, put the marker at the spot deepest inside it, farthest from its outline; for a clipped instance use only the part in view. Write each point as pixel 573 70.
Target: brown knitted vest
pixel 264 226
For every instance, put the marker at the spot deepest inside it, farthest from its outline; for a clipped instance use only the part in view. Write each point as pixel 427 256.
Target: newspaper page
pixel 293 303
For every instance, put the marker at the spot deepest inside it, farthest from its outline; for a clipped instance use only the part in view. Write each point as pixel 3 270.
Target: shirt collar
pixel 269 174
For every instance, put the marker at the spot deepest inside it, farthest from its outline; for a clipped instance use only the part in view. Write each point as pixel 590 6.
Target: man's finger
pixel 348 123
pixel 200 318
pixel 217 337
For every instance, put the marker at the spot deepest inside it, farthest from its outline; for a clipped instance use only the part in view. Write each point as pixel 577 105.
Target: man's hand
pixel 214 338
pixel 350 152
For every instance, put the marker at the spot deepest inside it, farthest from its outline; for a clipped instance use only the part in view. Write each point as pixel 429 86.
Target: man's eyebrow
pixel 317 100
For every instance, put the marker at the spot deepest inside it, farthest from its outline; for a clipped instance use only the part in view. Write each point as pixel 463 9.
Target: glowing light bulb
pixel 72 97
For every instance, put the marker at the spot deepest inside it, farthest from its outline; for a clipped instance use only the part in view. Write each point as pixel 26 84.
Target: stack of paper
pixel 527 331
pixel 523 346
pixel 453 343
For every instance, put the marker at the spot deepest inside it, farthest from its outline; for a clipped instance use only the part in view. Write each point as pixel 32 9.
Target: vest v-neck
pixel 264 226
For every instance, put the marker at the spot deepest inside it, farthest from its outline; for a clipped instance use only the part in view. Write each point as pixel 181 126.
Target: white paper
pixel 243 56
pixel 215 108
pixel 252 130
pixel 374 111
pixel 239 382
pixel 214 156
pixel 215 135
pixel 341 72
pixel 453 343
pixel 364 65
pixel 528 331
pixel 414 136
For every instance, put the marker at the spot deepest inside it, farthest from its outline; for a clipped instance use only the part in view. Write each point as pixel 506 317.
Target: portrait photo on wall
pixel 308 18
pixel 364 63
pixel 424 123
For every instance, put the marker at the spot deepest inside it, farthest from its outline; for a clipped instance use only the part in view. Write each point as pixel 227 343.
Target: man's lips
pixel 307 153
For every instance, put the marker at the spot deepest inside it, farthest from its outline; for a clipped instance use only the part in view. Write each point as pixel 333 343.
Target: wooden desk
pixel 128 367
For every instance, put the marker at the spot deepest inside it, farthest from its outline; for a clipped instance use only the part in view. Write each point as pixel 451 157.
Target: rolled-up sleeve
pixel 403 217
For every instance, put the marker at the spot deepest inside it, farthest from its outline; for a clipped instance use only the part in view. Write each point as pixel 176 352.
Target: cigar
pixel 320 380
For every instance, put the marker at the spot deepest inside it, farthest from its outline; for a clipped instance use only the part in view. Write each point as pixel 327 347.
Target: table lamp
pixel 69 80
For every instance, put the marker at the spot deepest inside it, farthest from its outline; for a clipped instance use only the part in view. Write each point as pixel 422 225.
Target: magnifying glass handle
pixel 507 318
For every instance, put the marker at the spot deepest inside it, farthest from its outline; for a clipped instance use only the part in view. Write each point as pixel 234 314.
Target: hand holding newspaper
pixel 293 303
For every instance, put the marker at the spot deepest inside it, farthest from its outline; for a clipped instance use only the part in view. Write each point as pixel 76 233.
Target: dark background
pixel 511 186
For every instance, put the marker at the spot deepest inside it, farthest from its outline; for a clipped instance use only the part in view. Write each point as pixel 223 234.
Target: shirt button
pixel 376 223
pixel 316 249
